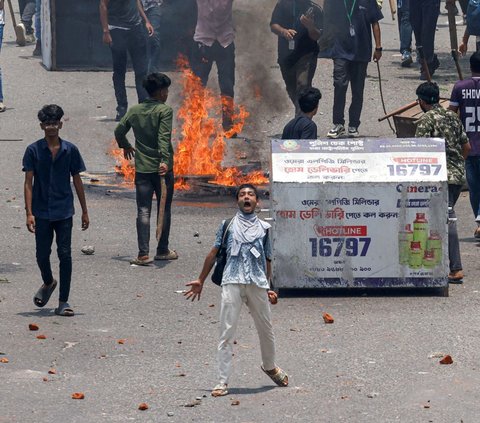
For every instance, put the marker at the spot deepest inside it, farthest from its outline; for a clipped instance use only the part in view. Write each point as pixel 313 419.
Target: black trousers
pixel 348 72
pixel 424 16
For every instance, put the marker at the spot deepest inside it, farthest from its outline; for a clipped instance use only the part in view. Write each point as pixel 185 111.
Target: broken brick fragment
pixel 143 406
pixel 78 395
pixel 41 337
pixel 446 360
pixel 33 326
pixel 327 318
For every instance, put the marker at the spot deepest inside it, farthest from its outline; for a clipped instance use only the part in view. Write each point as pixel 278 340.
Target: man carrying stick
pixel 152 126
pixel 246 279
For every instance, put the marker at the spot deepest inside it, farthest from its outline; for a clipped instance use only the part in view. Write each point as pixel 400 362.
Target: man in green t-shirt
pixel 151 122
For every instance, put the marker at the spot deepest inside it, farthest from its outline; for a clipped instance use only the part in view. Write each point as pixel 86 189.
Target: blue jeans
pixel 472 168
pixel 404 25
pixel 38 22
pixel 145 185
pixel 133 42
pixel 44 231
pixel 455 262
pixel 1 38
pixel 154 15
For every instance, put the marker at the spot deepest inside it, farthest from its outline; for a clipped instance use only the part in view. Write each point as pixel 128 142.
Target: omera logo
pixel 418 188
pixel 289 145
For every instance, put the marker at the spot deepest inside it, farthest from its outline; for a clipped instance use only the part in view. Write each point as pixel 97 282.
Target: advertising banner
pixel 359 212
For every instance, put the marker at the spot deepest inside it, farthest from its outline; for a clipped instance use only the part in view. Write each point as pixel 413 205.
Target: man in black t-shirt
pixel 347 39
pixel 123 32
pixel 303 127
pixel 297 24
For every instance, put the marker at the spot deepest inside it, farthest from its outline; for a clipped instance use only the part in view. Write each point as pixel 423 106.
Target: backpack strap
pixel 226 226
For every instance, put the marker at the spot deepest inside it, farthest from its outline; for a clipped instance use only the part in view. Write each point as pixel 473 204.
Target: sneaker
pixel 337 131
pixel 38 49
pixel 120 113
pixel 30 38
pixel 20 34
pixel 353 132
pixel 171 255
pixel 406 59
pixel 2 107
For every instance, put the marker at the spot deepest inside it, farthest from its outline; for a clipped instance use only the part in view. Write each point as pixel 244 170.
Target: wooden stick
pixel 400 110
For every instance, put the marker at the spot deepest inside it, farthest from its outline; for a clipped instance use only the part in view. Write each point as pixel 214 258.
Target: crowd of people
pixel 305 31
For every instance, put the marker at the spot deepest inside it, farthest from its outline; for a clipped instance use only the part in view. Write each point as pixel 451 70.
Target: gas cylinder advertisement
pixel 359 213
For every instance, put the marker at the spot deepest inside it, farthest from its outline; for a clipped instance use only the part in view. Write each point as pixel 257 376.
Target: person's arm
pixel 424 127
pixel 466 150
pixel 197 285
pixel 279 30
pixel 313 32
pixel 148 25
pixel 78 184
pixel 27 190
pixel 164 140
pixel 463 47
pixel 377 54
pixel 107 38
pixel 121 137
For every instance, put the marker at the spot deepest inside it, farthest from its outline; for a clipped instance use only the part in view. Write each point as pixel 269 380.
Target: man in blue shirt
pixel 303 127
pixel 246 279
pixel 48 164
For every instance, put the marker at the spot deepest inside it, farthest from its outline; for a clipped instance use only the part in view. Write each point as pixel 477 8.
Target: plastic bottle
pixel 434 242
pixel 420 230
pixel 429 259
pixel 416 255
pixel 404 239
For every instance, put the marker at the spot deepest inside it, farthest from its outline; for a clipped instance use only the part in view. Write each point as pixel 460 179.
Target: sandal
pixel 220 390
pixel 64 309
pixel 141 261
pixel 42 296
pixel 279 377
pixel 170 255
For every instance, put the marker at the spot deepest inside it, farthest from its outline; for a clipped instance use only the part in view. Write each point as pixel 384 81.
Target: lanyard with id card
pixel 349 16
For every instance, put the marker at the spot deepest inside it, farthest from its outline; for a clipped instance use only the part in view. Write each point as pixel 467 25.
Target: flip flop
pixel 141 262
pixel 43 294
pixel 279 377
pixel 64 309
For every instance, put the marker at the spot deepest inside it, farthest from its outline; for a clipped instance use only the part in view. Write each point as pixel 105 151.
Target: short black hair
pixel 50 113
pixel 155 82
pixel 308 99
pixel 428 92
pixel 475 62
pixel 253 187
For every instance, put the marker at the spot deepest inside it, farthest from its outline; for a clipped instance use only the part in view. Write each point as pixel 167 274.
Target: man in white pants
pixel 245 280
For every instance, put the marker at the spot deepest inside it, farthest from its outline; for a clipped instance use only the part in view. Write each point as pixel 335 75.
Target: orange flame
pixel 123 166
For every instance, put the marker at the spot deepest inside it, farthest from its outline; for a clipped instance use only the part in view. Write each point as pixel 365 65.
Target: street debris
pixel 4 280
pixel 143 406
pixel 180 291
pixel 436 355
pixel 88 250
pixel 52 371
pixel 33 326
pixel 192 404
pixel 196 235
pixel 78 395
pixel 372 395
pixel 235 402
pixel 446 360
pixel 41 337
pixel 170 414
pixel 427 405
pixel 4 360
pixel 45 379
pixel 121 341
pixel 327 318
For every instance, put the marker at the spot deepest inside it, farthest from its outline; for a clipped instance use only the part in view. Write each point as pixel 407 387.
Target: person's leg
pixel 464 6
pixel 137 48
pixel 453 243
pixel 38 28
pixel 341 78
pixel 119 58
pixel 202 62
pixel 358 73
pixel 63 233
pixel 305 70
pixel 2 107
pixel 162 247
pixel 472 168
pixel 430 12
pixel 154 15
pixel 289 75
pixel 415 11
pixel 229 314
pixel 225 59
pixel 27 18
pixel 144 193
pixel 259 306
pixel 43 243
pixel 405 32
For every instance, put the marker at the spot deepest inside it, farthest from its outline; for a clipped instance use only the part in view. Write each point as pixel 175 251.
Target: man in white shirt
pixel 214 42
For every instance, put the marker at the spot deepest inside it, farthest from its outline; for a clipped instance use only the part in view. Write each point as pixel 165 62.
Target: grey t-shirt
pixel 123 13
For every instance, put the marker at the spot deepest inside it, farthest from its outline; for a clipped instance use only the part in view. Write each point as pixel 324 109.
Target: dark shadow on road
pixel 44 312
pixel 247 391
pixel 361 292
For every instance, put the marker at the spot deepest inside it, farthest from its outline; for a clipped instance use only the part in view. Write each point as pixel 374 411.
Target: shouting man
pixel 246 279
